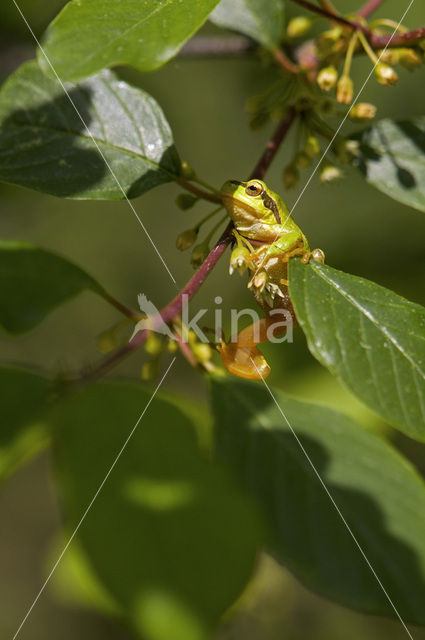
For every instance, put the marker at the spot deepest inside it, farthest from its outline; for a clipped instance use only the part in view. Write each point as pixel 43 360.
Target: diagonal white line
pixel 338 510
pixel 83 517
pixel 352 104
pixel 102 155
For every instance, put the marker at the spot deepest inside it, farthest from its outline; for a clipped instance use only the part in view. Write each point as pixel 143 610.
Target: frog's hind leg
pixel 240 355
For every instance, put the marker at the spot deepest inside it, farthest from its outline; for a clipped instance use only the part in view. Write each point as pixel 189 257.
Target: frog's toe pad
pixel 318 256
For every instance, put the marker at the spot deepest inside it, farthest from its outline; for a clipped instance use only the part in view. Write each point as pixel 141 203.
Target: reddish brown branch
pixel 273 145
pixel 283 60
pixel 369 8
pixel 398 40
pixel 351 24
pixel 326 4
pixel 201 193
pixel 133 315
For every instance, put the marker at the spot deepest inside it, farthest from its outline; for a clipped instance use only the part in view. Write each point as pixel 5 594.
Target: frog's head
pixel 250 201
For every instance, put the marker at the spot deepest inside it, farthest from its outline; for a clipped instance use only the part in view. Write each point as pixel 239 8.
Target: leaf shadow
pixel 46 148
pixel 405 177
pixel 324 552
pixel 414 133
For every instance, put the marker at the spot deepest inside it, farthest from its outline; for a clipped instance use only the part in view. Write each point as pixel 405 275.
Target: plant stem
pixel 283 60
pixel 350 51
pixel 369 51
pixel 205 195
pixel 398 40
pixel 369 8
pixel 328 6
pixel 391 24
pixel 174 308
pixel 273 145
pixel 133 315
pixel 207 217
pixel 331 16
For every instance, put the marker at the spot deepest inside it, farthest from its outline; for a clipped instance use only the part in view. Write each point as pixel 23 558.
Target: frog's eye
pixel 254 188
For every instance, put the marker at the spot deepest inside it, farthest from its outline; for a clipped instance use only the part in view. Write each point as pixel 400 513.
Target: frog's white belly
pixel 249 223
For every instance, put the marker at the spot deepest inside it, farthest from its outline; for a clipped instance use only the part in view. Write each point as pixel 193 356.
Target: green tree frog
pixel 266 237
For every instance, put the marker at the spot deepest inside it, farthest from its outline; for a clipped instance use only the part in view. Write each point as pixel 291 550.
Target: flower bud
pixel 149 370
pixel 332 35
pixel 330 42
pixel 389 56
pixel 186 201
pixel 153 345
pixel 352 147
pixel 186 239
pixel 344 90
pixel 291 176
pixel 202 352
pixel 187 171
pixel 298 27
pixel 107 341
pixel 329 174
pixel 239 260
pixel 199 253
pixel 362 112
pixel 172 345
pixel 409 59
pixel 385 74
pixel 259 281
pixel 327 78
pixel 312 147
pixel 302 160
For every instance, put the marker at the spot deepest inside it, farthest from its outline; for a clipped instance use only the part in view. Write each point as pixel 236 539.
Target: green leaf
pixel 392 157
pixel 370 338
pixel 169 536
pixel 33 282
pixel 261 20
pixel 89 35
pixel 378 492
pixel 25 397
pixel 44 144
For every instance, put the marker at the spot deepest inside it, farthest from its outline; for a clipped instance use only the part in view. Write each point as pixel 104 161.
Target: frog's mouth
pixel 240 211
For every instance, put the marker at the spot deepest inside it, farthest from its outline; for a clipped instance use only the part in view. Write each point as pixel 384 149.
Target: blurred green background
pixel 361 230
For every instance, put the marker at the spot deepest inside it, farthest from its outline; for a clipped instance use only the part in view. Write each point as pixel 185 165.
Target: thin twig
pixel 351 24
pixel 369 8
pixel 273 145
pixel 185 349
pixel 327 5
pixel 201 193
pixel 399 40
pixel 283 60
pixel 133 315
